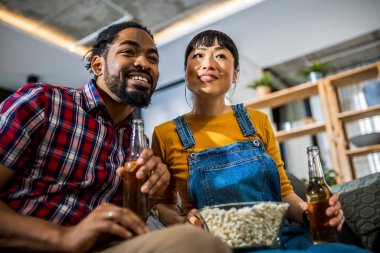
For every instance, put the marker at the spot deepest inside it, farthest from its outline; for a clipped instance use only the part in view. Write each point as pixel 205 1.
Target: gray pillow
pixel 362 211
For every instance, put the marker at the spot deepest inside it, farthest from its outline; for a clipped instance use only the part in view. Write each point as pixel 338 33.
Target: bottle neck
pixel 315 166
pixel 138 142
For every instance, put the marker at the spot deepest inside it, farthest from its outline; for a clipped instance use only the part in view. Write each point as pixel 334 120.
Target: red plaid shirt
pixel 64 150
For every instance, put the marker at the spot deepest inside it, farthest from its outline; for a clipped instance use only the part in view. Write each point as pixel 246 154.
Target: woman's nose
pixel 208 63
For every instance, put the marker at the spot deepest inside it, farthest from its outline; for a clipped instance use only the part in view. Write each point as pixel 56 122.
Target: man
pixel 60 149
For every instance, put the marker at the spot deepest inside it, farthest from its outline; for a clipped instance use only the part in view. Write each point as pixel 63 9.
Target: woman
pixel 198 147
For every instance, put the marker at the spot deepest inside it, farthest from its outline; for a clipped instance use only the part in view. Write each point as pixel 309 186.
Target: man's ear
pixel 97 63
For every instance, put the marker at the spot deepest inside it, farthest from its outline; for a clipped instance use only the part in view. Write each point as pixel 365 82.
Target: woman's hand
pixel 193 218
pixel 334 211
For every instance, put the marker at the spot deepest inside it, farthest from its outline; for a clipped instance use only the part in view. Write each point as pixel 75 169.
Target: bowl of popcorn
pixel 248 224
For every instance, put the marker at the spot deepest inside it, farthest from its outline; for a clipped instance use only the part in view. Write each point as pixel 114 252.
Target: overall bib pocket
pixel 225 183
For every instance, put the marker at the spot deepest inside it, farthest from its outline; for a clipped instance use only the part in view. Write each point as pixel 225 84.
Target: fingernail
pixel 192 220
pixel 144 188
pixel 139 174
pixel 128 234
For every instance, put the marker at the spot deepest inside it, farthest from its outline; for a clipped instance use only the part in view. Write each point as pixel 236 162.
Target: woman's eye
pixel 221 56
pixel 197 55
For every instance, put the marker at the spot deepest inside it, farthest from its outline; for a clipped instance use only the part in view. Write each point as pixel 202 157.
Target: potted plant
pixel 330 176
pixel 263 85
pixel 314 71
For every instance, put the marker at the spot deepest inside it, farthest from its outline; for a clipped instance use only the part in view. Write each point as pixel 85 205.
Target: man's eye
pixel 128 52
pixel 153 59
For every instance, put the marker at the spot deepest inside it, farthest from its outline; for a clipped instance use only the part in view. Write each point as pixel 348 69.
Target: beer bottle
pixel 318 195
pixel 133 198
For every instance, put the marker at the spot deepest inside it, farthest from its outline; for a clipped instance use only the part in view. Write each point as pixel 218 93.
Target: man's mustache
pixel 137 71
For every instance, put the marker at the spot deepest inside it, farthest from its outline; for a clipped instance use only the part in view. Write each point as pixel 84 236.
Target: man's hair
pixel 107 37
pixel 207 38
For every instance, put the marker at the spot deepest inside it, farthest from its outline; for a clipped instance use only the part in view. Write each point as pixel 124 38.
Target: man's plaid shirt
pixel 64 150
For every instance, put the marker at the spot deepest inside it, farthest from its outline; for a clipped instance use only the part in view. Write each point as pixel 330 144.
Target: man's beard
pixel 136 98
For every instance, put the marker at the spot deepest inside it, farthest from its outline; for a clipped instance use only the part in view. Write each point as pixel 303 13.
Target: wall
pixel 22 55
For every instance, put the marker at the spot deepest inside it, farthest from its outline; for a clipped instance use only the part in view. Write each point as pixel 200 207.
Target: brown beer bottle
pixel 318 195
pixel 133 198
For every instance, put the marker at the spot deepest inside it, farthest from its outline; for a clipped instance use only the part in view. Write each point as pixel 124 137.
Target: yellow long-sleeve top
pixel 209 132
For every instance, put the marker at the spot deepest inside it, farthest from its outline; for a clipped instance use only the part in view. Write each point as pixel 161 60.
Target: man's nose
pixel 141 62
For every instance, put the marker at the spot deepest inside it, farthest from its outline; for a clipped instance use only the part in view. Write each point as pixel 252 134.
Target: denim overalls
pixel 239 172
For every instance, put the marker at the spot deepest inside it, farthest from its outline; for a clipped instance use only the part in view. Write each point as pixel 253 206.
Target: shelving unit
pixel 334 118
pixel 345 153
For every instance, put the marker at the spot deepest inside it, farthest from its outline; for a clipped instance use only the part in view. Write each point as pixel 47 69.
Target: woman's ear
pixel 97 65
pixel 236 75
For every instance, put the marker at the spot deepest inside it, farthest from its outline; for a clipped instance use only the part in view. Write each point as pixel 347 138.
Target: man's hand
pixel 105 219
pixel 157 172
pixel 34 234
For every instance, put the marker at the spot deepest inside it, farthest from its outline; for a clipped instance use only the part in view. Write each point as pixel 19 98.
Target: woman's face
pixel 210 71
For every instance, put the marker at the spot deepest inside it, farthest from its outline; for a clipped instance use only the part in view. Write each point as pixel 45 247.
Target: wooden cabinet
pixel 334 118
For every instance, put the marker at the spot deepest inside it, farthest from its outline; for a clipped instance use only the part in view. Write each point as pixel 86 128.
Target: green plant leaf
pixel 265 80
pixel 316 66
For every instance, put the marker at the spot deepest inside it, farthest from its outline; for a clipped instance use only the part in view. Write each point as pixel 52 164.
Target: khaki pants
pixel 175 239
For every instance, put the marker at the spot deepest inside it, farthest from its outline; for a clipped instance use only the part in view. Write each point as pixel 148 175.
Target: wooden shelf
pixel 363 150
pixel 309 129
pixel 282 97
pixel 355 76
pixel 355 115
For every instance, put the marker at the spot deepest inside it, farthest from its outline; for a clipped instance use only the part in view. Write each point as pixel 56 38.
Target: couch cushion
pixel 362 209
pixel 357 183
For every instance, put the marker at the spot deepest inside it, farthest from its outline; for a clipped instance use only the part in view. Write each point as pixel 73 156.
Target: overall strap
pixel 184 132
pixel 244 120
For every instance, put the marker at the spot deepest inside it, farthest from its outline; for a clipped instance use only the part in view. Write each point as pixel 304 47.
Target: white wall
pixel 159 112
pixel 22 54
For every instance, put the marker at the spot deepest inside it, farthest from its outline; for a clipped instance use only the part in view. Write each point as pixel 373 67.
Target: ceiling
pixel 80 18
pixel 349 54
pixel 23 54
pixel 269 35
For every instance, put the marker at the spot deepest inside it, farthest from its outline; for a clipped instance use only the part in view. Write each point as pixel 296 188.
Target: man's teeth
pixel 139 78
